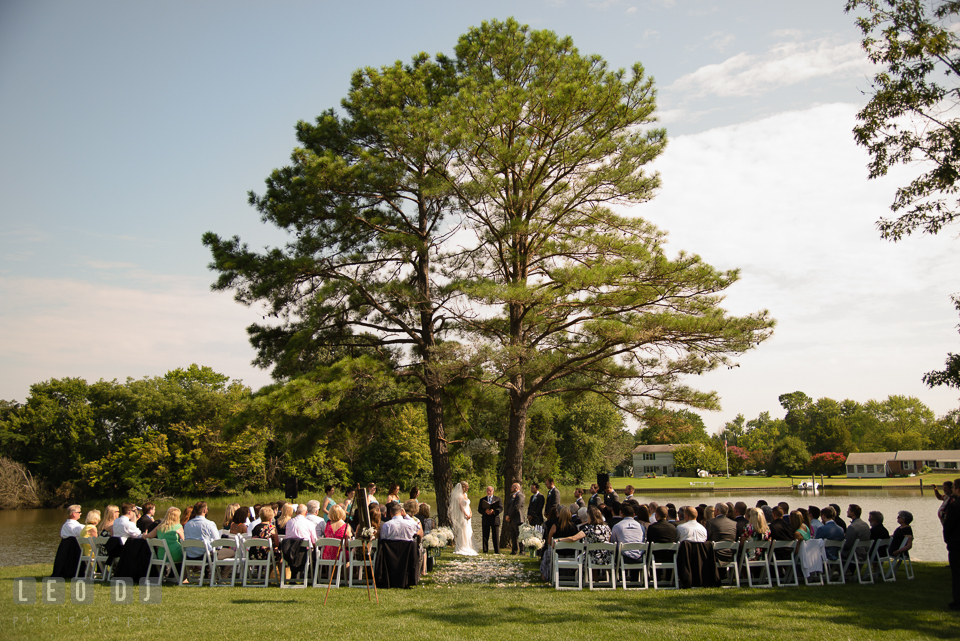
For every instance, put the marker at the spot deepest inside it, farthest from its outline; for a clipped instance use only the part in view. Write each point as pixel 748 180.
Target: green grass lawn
pixel 443 607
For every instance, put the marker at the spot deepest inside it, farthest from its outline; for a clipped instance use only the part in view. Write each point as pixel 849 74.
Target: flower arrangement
pixel 529 537
pixel 444 535
pixel 431 541
pixel 368 533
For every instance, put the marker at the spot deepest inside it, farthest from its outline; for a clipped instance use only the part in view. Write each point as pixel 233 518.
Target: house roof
pixel 870 458
pixel 640 449
pixel 928 455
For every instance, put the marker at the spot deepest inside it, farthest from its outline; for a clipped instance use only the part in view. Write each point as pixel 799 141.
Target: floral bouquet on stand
pixel 443 536
pixel 530 539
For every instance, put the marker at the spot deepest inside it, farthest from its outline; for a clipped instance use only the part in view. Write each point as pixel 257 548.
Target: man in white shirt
pixel 400 527
pixel 125 527
pixel 299 527
pixel 313 507
pixel 690 530
pixel 72 527
pixel 200 528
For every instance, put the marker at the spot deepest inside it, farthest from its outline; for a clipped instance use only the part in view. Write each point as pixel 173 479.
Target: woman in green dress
pixel 170 531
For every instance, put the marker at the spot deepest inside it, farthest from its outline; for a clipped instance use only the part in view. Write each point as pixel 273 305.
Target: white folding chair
pixel 903 559
pixel 610 567
pixel 88 555
pixel 755 555
pixel 784 565
pixel 668 568
pixel 833 565
pixel 99 569
pixel 334 566
pixel 305 580
pixel 879 555
pixel 161 558
pixel 857 555
pixel 358 565
pixel 805 550
pixel 627 563
pixel 188 564
pixel 572 563
pixel 732 567
pixel 256 572
pixel 234 562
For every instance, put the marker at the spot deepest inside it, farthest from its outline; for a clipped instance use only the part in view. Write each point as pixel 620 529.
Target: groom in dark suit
pixel 514 517
pixel 490 508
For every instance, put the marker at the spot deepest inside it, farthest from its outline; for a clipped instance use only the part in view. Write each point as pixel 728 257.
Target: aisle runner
pixel 498 571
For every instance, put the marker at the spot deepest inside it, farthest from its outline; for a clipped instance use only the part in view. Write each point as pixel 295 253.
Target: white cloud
pixel 787 63
pixel 631 10
pixel 720 41
pixel 786 200
pixel 54 328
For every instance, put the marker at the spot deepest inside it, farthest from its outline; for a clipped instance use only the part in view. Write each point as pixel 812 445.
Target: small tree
pixel 828 463
pixel 697 456
pixel 790 456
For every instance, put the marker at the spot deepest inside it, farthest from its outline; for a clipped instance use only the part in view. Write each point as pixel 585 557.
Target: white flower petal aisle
pixel 493 570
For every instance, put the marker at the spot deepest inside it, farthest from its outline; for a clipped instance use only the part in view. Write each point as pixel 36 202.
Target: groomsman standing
pixel 535 510
pixel 553 497
pixel 490 508
pixel 514 516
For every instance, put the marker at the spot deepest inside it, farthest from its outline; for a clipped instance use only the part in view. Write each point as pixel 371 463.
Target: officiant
pixel 490 508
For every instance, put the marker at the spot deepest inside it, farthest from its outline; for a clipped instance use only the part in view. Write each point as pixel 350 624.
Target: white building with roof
pixel 869 465
pixel 653 459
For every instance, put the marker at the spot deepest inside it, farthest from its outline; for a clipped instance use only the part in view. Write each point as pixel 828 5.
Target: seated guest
pixel 662 531
pixel 902 539
pixel 411 507
pixel 709 513
pixel 169 530
pixel 839 521
pixel 815 521
pixel 767 510
pixel 238 522
pixel 145 523
pixel 286 513
pixel 336 528
pixel 423 515
pixel 800 530
pixel 643 515
pixel 628 530
pixel 857 531
pixel 756 530
pixel 829 531
pixel 721 527
pixel 313 515
pixel 399 527
pixel 228 516
pixel 72 526
pixel 106 525
pixel 186 515
pixel 125 526
pixel 90 529
pixel 672 513
pixel 877 528
pixel 265 529
pixel 594 531
pixel 740 516
pixel 563 528
pixel 780 529
pixel 690 530
pixel 300 527
pixel 376 517
pixel 547 526
pixel 200 528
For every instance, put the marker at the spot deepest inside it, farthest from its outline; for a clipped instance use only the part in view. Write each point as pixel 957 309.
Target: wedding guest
pixel 72 526
pixel 313 509
pixel 265 529
pixel 199 528
pixel 652 511
pixel 238 522
pixel 902 540
pixel 186 515
pixel 169 530
pixel 740 516
pixel 300 527
pixel 106 526
pixel 286 515
pixel 146 523
pixel 328 502
pixel 423 514
pixel 877 529
pixel 563 528
pixel 125 526
pixel 400 527
pixel 800 530
pixel 375 518
pixel 228 516
pixel 643 514
pixel 829 531
pixel 595 531
pixel 89 529
pixel 756 530
pixel 690 530
pixel 411 507
pixel 336 528
pixel 815 521
pixel 628 530
pixel 837 519
pixel 946 499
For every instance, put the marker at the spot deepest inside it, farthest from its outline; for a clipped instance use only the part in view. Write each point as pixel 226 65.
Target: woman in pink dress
pixel 337 528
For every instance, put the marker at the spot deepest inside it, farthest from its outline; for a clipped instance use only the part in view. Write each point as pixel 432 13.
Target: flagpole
pixel 726 454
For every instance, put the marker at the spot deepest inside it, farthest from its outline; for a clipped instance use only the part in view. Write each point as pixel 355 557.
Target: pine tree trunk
pixel 442 480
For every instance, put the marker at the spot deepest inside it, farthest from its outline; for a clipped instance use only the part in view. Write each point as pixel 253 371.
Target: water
pixel 32 536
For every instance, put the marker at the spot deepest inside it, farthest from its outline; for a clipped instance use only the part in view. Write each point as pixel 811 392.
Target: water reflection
pixel 32 536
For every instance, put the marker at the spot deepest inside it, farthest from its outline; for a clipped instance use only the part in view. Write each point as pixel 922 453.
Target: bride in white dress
pixel 462 523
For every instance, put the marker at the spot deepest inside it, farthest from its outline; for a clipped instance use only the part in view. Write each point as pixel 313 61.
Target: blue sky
pixel 129 129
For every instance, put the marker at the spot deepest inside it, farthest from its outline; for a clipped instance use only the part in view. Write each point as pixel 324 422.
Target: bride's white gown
pixel 463 535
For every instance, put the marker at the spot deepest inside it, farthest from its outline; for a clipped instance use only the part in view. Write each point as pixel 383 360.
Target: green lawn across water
pixel 438 609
